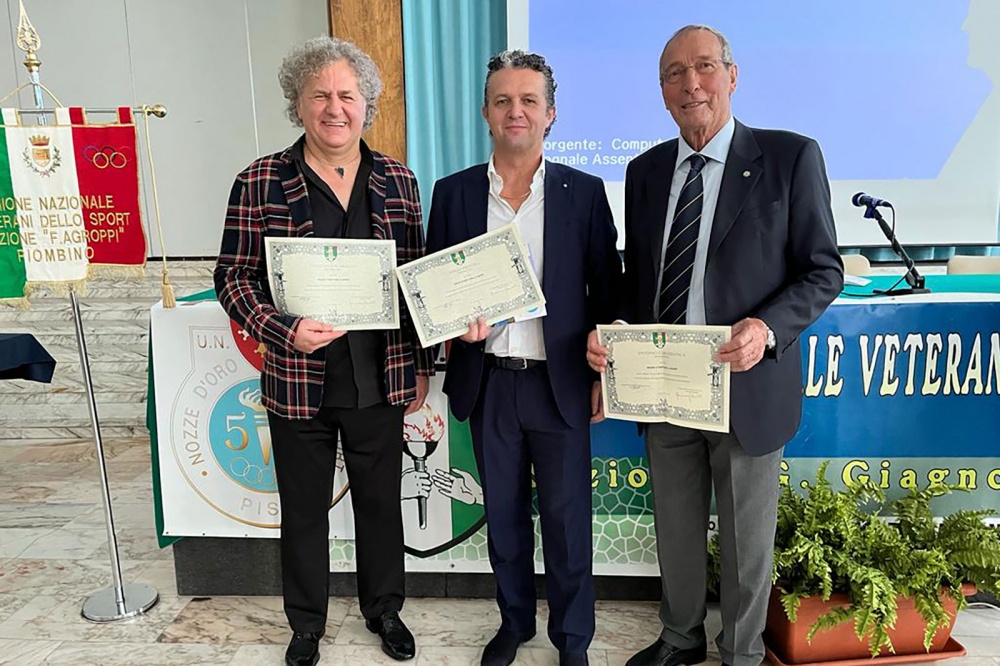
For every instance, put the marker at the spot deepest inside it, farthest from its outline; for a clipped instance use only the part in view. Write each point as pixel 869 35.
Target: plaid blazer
pixel 269 198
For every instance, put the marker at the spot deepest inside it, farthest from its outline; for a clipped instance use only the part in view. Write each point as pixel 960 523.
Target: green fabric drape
pixel 446 45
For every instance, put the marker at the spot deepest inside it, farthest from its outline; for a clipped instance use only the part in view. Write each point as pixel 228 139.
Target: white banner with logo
pixel 216 464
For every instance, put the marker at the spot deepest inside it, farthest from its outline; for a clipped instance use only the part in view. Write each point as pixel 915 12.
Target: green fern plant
pixel 831 541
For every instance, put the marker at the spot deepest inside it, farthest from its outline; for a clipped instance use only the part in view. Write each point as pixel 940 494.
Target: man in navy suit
pixel 728 225
pixel 525 386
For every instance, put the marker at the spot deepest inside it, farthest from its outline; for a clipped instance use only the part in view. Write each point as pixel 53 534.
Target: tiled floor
pixel 53 553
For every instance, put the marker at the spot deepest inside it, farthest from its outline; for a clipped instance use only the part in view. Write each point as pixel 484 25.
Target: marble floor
pixel 53 553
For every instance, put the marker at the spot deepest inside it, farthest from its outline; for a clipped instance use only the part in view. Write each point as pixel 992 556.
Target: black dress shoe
pixel 303 650
pixel 502 648
pixel 662 654
pixel 397 641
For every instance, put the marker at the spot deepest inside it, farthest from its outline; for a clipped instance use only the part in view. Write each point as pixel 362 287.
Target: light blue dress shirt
pixel 716 152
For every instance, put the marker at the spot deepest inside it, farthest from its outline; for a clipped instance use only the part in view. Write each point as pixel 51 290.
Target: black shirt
pixel 354 362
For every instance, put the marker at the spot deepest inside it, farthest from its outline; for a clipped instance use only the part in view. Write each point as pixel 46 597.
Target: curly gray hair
pixel 307 59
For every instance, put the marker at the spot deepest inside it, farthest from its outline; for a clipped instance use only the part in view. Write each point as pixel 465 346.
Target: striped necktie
pixel 678 259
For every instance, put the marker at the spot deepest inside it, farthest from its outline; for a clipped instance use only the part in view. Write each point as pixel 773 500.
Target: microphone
pixel 912 275
pixel 862 199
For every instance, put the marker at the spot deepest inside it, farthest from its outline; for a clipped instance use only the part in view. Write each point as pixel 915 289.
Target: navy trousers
pixel 516 429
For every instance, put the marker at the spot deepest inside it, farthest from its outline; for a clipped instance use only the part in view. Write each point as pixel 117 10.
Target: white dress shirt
pixel 522 339
pixel 716 152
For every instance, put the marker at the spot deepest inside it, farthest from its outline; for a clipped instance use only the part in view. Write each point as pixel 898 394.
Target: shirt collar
pixel 297 152
pixel 717 149
pixel 496 180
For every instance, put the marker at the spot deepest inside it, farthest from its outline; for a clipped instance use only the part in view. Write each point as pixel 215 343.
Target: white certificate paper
pixel 488 276
pixel 661 373
pixel 347 283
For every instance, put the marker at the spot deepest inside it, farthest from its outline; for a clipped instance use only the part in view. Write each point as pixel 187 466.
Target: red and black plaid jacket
pixel 269 199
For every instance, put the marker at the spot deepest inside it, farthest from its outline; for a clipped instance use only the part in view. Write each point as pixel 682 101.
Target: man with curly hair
pixel 320 384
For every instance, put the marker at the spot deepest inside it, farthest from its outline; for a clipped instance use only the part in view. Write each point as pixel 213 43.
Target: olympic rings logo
pixel 105 157
pixel 243 469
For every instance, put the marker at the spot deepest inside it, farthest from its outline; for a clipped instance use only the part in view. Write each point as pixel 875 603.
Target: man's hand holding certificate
pixel 347 283
pixel 488 276
pixel 661 373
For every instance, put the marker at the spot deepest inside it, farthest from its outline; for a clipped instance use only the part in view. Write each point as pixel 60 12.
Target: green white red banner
pixel 69 201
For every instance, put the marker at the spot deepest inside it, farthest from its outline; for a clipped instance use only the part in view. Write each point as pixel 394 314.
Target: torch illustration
pixel 419 442
pixel 252 399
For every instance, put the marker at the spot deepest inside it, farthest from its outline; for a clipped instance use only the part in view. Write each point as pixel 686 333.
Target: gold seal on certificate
pixel 488 276
pixel 660 373
pixel 347 283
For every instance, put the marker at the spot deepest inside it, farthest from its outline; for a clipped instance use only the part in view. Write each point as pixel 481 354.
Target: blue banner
pixel 904 393
pixel 915 379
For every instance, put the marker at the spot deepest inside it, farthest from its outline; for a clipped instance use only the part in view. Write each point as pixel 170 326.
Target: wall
pixel 213 64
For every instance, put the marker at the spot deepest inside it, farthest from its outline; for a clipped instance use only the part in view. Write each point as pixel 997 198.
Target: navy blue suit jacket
pixel 581 278
pixel 772 254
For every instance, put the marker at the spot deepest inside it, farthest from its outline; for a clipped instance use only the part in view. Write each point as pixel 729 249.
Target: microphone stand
pixel 912 276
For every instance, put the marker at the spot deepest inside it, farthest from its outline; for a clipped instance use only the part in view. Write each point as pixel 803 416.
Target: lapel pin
pixel 746 174
pixel 565 184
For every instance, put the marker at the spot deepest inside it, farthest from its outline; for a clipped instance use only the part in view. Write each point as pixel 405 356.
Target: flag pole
pixel 119 601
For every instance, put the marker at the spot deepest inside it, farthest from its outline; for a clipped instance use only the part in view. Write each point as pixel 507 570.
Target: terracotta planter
pixel 788 640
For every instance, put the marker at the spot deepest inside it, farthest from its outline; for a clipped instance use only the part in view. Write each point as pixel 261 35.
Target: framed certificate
pixel 347 283
pixel 488 276
pixel 661 373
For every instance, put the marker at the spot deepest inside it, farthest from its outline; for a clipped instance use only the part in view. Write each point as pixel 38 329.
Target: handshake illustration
pixel 457 484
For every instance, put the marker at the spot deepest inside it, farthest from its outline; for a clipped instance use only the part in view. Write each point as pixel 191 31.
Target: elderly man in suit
pixel 727 225
pixel 525 387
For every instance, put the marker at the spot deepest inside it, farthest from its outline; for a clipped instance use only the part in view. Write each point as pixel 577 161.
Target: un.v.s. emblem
pixel 659 339
pixel 330 252
pixel 458 258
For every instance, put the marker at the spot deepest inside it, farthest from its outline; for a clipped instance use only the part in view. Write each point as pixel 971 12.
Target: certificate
pixel 661 373
pixel 488 276
pixel 347 283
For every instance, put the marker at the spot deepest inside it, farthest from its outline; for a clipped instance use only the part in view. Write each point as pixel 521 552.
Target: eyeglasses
pixel 674 74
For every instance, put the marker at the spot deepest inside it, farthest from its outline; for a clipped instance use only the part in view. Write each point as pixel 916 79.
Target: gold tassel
pixel 167 288
pixel 168 292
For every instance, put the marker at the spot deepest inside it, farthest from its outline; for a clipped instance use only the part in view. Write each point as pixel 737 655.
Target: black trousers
pixel 305 453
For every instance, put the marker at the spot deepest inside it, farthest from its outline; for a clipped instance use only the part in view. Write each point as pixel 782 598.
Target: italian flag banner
pixel 69 202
